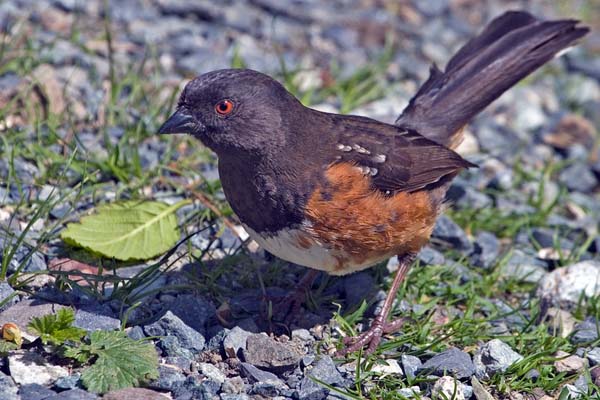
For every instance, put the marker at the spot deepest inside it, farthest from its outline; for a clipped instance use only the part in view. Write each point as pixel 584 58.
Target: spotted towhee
pixel 341 193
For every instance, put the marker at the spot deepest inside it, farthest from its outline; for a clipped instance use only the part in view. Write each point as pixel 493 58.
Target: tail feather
pixel 511 47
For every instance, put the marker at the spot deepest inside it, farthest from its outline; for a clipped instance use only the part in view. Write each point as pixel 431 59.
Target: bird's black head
pixel 234 112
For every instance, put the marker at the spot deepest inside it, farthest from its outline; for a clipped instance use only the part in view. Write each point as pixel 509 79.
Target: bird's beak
pixel 181 121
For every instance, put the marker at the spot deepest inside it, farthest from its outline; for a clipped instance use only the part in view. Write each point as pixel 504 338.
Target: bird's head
pixel 234 112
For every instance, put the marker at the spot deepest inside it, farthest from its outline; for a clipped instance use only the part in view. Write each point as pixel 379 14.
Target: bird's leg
pixel 380 324
pixel 291 303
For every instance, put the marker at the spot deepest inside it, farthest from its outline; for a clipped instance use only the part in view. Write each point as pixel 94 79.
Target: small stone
pixel 560 321
pixel 585 332
pixel 135 332
pixel 467 391
pixel 578 178
pixel 73 394
pixel 533 374
pixel 194 311
pixel 27 367
pixel 524 267
pixel 564 286
pixel 572 129
pixel 594 356
pixel 67 382
pixel 448 231
pixel 410 365
pixel 267 390
pixel 8 389
pixel 493 357
pixel 7 291
pixel 325 371
pixel 233 385
pixel 303 335
pixel 34 391
pixel 595 375
pixel 569 363
pixel 257 374
pixel 480 391
pixel 452 361
pixel 447 387
pixel 430 256
pixel 263 351
pixel 486 250
pixel 570 392
pixel 235 341
pixel 581 383
pixel 169 377
pixel 412 392
pixel 388 367
pixel 466 197
pixel 211 372
pixel 241 396
pixel 134 393
pixel 171 326
pixel 92 321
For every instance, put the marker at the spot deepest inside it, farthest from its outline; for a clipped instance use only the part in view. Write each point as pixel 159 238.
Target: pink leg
pixel 380 324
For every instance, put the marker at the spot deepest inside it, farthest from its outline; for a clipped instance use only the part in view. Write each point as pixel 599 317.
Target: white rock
pixel 564 286
pixel 388 367
pixel 211 372
pixel 410 392
pixel 447 388
pixel 27 367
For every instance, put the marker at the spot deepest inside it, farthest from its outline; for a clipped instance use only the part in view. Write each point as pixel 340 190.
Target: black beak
pixel 180 122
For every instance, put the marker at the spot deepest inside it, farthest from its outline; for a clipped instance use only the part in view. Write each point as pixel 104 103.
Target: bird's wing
pixel 397 159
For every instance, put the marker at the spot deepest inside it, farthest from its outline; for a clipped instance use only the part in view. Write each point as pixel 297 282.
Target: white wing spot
pixel 343 147
pixel 379 158
pixel 360 149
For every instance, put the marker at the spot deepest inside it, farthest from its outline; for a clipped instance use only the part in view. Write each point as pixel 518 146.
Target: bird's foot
pixel 371 338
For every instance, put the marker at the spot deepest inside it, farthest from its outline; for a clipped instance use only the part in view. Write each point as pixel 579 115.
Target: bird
pixel 341 193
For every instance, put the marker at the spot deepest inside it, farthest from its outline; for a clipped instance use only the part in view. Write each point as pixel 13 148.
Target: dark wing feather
pixel 411 161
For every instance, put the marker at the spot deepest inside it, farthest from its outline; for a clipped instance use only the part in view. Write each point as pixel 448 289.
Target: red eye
pixel 224 107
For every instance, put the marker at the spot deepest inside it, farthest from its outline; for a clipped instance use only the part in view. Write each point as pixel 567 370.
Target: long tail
pixel 511 47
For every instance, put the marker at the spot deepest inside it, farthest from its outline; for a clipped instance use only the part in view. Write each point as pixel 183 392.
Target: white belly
pixel 298 247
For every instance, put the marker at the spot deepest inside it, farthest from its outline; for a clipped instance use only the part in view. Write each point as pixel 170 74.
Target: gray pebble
pixel 452 361
pixel 34 391
pixel 178 339
pixel 93 321
pixel 410 365
pixel 493 357
pixel 578 177
pixel 486 250
pixel 449 232
pixel 235 341
pixel 257 374
pixel 73 394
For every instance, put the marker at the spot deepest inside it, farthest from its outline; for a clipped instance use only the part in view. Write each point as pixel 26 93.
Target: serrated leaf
pixel 121 362
pixel 130 230
pixel 57 328
pixel 5 346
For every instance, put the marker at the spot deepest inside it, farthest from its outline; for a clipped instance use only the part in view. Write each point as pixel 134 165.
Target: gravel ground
pixel 510 277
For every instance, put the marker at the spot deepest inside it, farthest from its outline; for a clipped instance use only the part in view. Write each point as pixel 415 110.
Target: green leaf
pixel 121 361
pixel 57 328
pixel 130 230
pixel 6 346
